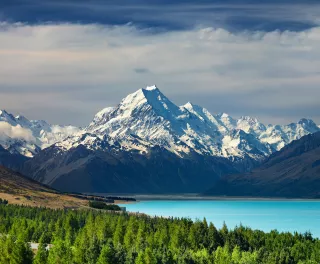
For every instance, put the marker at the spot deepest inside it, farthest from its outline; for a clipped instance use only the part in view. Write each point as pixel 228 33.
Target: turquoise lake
pixel 300 216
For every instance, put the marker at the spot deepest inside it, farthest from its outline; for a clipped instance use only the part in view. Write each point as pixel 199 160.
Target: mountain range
pixel 145 144
pixel 20 135
pixel 292 172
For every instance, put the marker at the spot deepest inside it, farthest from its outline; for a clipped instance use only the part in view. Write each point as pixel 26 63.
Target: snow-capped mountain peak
pixel 161 104
pixel 251 125
pixel 145 100
pixel 227 121
pixel 28 137
pixel 224 115
pixel 147 118
pixel 6 117
pixel 248 119
pixel 146 113
pixel 188 105
pixel 205 116
pixel 151 116
pixel 151 88
pixel 102 114
pixel 192 107
pixel 3 113
pixel 308 124
pixel 147 140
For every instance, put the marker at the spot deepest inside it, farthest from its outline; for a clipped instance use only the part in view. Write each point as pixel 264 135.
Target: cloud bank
pixel 15 132
pixel 67 72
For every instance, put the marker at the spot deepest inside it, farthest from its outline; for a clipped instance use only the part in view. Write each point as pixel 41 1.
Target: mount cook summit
pixel 146 144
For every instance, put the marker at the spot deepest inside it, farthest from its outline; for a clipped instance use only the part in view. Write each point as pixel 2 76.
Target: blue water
pixel 300 216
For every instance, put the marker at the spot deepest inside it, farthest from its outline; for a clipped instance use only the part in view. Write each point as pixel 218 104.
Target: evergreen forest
pixel 101 237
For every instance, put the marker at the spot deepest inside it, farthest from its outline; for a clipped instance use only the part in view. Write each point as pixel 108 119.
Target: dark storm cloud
pixel 65 60
pixel 168 15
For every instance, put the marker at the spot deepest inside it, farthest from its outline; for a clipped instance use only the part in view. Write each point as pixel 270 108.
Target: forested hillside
pixel 94 237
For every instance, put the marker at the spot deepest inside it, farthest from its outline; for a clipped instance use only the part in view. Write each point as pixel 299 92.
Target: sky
pixel 64 60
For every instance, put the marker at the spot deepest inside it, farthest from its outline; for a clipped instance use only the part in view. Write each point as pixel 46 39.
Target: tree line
pixel 104 206
pixel 98 237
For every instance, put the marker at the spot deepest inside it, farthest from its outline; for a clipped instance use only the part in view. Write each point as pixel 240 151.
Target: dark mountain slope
pixel 117 171
pixel 11 161
pixel 292 172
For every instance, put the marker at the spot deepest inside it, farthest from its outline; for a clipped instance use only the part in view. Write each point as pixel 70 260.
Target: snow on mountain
pixel 6 117
pixel 151 116
pixel 16 143
pixel 148 144
pixel 279 136
pixel 101 115
pixel 250 125
pixel 204 115
pixel 27 137
pixel 147 118
pixel 227 121
pixel 104 143
pixel 238 141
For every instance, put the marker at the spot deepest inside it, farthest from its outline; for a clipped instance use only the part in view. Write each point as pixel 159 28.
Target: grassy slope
pixel 18 189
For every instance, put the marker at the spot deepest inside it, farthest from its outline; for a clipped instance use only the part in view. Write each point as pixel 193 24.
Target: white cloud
pixel 15 132
pixel 78 69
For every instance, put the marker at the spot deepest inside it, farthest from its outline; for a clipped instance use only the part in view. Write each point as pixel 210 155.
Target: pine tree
pixel 130 234
pixel 236 255
pixel 224 232
pixel 140 258
pixel 106 255
pixel 93 251
pixel 149 257
pixel 131 256
pixel 21 253
pixel 60 253
pixel 214 238
pixel 167 257
pixel 222 256
pixel 140 239
pixel 42 255
pixel 4 256
pixel 119 232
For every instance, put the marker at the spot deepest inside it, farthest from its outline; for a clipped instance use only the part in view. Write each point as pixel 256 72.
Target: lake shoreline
pixel 285 215
pixel 196 197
